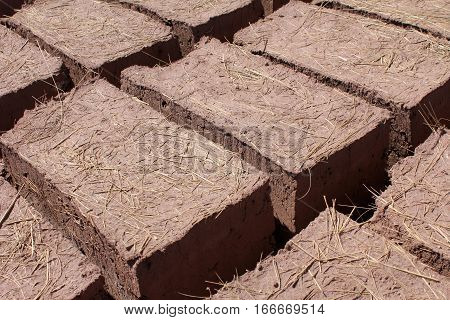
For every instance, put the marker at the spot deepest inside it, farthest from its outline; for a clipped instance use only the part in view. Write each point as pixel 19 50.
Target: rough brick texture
pixel 37 262
pixel 95 37
pixel 310 137
pixel 399 69
pixel 415 209
pixel 335 258
pixel 159 208
pixel 27 74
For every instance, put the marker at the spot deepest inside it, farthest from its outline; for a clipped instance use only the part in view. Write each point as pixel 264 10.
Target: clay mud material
pixel 95 37
pixel 8 7
pixel 429 16
pixel 335 258
pixel 27 75
pixel 160 208
pixel 310 137
pixel 403 70
pixel 415 209
pixel 192 19
pixel 37 262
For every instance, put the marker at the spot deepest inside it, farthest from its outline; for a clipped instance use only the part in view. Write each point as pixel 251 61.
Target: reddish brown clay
pixel 27 75
pixel 192 19
pixel 159 208
pixel 335 258
pixel 415 209
pixel 428 16
pixel 37 262
pixel 402 70
pixel 309 137
pixel 94 37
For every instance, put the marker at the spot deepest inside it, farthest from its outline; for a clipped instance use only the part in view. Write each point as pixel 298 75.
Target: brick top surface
pixel 37 262
pixel 430 15
pixel 418 201
pixel 22 63
pixel 191 12
pixel 141 180
pixel 400 65
pixel 91 32
pixel 335 258
pixel 286 116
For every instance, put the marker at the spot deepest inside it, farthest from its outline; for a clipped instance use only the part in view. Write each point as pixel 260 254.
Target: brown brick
pixel 161 209
pixel 37 261
pixel 395 68
pixel 310 137
pixel 335 258
pixel 94 36
pixel 429 16
pixel 415 209
pixel 27 74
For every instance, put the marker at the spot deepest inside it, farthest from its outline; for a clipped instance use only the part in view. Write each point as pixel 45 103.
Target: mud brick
pixel 429 16
pixel 159 208
pixel 94 37
pixel 402 70
pixel 415 209
pixel 8 7
pixel 27 74
pixel 335 258
pixel 192 19
pixel 37 261
pixel 311 138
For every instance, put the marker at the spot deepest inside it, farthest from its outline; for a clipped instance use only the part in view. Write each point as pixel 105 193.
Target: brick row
pixel 415 209
pixel 402 70
pixel 27 75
